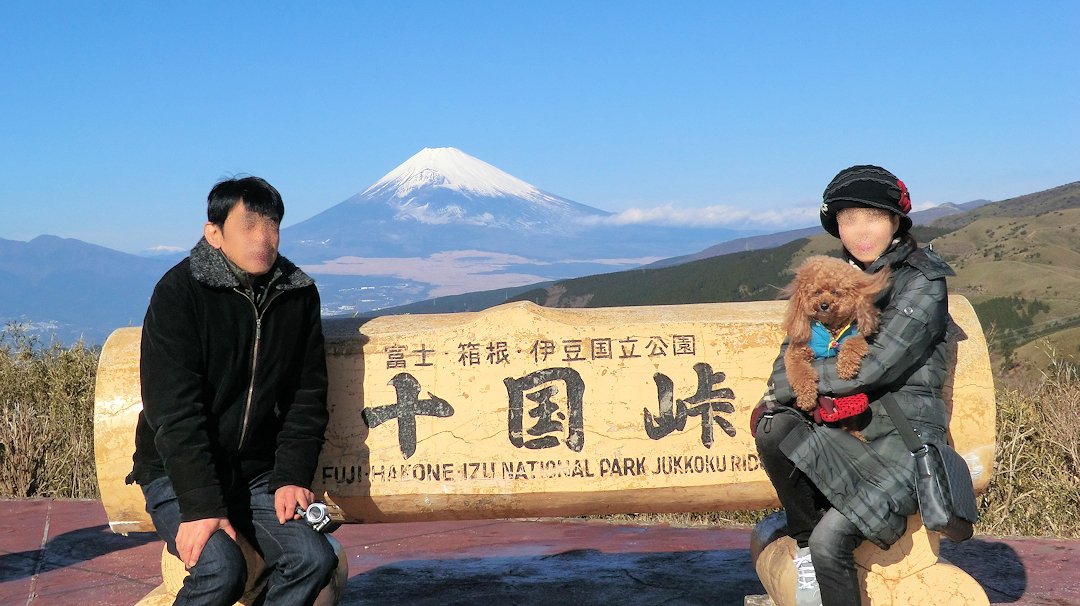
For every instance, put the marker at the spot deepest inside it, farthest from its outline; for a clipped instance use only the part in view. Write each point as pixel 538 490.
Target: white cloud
pixel 166 249
pixel 924 205
pixel 714 216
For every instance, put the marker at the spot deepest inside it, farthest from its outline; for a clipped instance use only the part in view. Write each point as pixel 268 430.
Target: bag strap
pixel 909 434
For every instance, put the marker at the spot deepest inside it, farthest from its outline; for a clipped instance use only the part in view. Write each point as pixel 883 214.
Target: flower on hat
pixel 905 199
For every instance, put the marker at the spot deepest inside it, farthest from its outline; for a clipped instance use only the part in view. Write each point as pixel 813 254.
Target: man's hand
pixel 287 498
pixel 192 537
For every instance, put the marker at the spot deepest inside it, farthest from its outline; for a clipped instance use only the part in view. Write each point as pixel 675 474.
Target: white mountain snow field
pixel 453 169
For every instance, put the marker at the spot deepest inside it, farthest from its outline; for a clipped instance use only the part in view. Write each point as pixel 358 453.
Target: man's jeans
pixel 832 538
pixel 301 559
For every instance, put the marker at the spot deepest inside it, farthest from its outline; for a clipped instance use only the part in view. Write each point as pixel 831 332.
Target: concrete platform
pixel 61 552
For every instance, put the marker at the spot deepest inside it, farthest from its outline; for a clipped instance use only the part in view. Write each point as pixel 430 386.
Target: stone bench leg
pixel 173 573
pixel 907 574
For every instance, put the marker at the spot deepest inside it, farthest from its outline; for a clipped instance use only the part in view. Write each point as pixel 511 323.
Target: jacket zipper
pixel 254 360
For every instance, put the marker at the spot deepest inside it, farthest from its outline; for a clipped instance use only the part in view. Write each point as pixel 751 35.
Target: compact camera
pixel 318 517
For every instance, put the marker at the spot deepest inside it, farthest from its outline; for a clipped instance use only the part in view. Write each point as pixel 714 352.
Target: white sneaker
pixel 807 592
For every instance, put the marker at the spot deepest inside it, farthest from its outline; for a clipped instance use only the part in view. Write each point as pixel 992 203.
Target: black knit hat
pixel 870 186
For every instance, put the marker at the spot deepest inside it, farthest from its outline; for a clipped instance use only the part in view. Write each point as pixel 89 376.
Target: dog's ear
pixel 866 316
pixel 788 291
pixel 796 319
pixel 874 284
pixel 866 313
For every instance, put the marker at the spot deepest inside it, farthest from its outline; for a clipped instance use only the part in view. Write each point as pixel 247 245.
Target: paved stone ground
pixel 61 552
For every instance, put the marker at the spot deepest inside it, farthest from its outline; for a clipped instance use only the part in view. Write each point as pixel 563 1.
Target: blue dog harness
pixel 823 343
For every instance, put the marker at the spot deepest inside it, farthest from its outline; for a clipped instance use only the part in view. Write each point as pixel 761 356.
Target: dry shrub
pixel 727 519
pixel 1035 490
pixel 46 417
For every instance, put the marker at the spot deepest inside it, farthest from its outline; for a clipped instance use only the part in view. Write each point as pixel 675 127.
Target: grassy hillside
pixel 473 301
pixel 1023 276
pixel 1061 345
pixel 1058 198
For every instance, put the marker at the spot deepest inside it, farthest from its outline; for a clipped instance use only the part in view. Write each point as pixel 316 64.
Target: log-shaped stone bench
pixel 524 411
pixel 909 573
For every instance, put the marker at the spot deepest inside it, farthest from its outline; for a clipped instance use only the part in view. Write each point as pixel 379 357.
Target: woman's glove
pixel 831 410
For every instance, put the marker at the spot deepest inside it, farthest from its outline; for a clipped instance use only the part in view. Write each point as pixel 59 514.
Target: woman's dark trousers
pixel 811 520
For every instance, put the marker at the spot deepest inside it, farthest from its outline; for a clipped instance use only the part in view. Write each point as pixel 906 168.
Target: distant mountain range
pixel 438 200
pixel 619 288
pixel 441 223
pixel 443 200
pixel 72 289
pixel 759 272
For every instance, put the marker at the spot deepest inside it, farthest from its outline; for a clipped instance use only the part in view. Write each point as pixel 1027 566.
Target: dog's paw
pixel 846 369
pixel 850 357
pixel 806 396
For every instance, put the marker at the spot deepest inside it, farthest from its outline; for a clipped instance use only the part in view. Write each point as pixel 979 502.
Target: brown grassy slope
pixel 1034 258
pixel 1040 354
pixel 1058 198
pixel 1035 490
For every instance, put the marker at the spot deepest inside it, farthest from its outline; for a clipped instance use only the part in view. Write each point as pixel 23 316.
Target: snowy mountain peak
pixel 445 186
pixel 453 169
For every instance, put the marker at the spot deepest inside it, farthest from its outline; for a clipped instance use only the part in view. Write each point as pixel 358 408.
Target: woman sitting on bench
pixel 836 489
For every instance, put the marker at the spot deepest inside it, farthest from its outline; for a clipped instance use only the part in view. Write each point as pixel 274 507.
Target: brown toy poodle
pixel 838 296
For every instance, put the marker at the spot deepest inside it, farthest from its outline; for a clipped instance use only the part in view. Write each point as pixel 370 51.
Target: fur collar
pixel 208 267
pixel 893 257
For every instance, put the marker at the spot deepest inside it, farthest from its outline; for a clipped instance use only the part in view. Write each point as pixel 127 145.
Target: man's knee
pixel 309 555
pixel 320 559
pixel 220 571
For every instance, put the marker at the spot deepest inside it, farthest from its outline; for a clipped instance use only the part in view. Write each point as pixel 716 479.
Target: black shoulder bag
pixel 946 495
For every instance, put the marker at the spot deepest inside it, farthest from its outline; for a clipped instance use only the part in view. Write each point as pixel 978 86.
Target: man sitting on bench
pixel 234 394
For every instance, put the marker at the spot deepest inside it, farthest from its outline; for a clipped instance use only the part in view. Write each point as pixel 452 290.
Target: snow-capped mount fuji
pixel 450 168
pixel 445 185
pixel 439 200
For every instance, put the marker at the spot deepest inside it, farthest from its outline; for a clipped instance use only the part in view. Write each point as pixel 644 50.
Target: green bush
pixel 1008 313
pixel 46 417
pixel 1009 322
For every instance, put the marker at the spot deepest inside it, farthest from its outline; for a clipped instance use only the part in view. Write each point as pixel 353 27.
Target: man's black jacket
pixel 230 390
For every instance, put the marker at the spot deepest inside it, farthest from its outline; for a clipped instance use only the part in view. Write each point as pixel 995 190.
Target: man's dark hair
pixel 259 197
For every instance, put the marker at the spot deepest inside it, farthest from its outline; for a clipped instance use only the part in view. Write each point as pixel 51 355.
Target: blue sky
pixel 115 121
